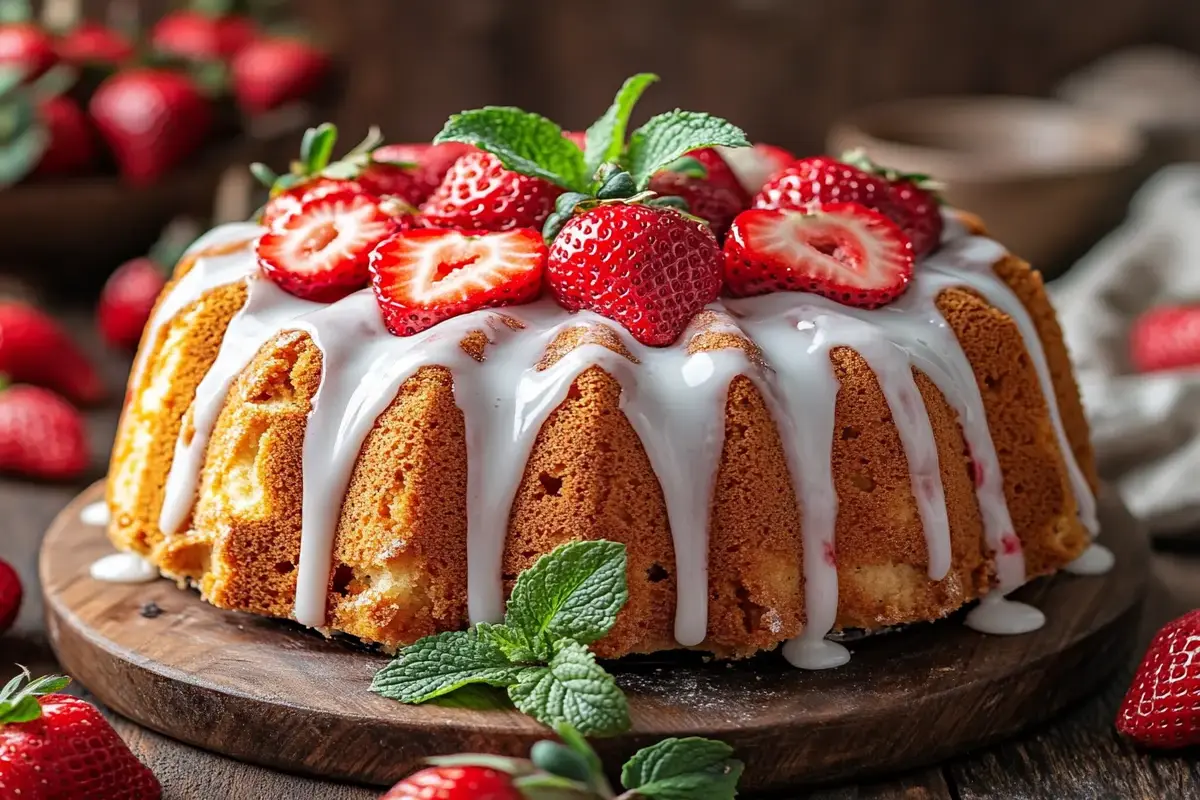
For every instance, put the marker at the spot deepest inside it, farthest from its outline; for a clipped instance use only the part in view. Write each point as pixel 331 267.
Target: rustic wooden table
pixel 1075 757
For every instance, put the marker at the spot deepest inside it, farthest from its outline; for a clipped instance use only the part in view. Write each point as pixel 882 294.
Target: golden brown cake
pixel 826 468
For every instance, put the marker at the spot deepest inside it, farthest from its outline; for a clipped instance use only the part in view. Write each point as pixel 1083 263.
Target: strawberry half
pixel 1162 708
pixel 319 252
pixel 844 251
pixel 424 276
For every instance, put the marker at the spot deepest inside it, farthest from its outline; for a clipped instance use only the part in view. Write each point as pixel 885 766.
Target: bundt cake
pixel 788 466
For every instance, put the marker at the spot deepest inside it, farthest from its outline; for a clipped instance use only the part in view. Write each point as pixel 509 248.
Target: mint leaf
pixel 666 137
pixel 606 136
pixel 683 769
pixel 439 664
pixel 526 143
pixel 574 592
pixel 572 689
pixel 477 696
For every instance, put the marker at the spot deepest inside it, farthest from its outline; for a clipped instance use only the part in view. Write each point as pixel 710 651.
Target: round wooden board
pixel 271 693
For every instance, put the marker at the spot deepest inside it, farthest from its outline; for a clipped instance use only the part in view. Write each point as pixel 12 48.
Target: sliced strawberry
pixel 290 200
pixel 319 252
pixel 845 251
pixel 422 277
pixel 756 165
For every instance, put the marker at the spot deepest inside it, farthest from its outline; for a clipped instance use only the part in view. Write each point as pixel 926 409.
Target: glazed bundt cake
pixel 791 463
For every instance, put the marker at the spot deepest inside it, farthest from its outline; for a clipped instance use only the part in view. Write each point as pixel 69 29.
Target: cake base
pixel 274 694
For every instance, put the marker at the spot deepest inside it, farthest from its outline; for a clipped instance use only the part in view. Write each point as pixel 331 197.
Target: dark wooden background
pixel 782 69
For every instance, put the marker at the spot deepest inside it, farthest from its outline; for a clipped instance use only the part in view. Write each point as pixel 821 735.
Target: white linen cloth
pixel 1146 428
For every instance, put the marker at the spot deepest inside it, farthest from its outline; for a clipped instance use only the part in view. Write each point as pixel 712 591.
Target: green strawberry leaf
pixel 666 137
pixel 526 143
pixel 683 769
pixel 20 155
pixel 439 664
pixel 606 136
pixel 552 787
pixel 11 78
pixel 574 593
pixel 573 689
pixel 316 148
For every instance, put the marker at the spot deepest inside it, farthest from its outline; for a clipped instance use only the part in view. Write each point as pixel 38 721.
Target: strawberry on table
pixel 319 252
pixel 468 782
pixel 152 119
pixel 41 435
pixel 1162 708
pixel 271 72
pixel 424 276
pixel 478 193
pixel 757 164
pixel 92 43
pixel 844 251
pixel 1166 338
pixel 58 747
pixel 708 185
pixel 649 268
pixel 207 31
pixel 10 595
pixel 22 43
pixel 70 147
pixel 34 349
pixel 129 294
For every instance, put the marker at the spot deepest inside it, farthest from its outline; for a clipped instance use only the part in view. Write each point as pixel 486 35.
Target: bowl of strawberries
pixel 115 131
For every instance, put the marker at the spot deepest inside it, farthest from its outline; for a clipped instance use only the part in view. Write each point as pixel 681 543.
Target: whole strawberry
pixel 26 46
pixel 478 193
pixel 34 349
pixel 1166 338
pixel 649 268
pixel 1162 708
pixel 915 204
pixel 468 782
pixel 152 119
pixel 91 43
pixel 41 435
pixel 70 148
pixel 428 163
pixel 202 34
pixel 10 595
pixel 812 182
pixel 714 194
pixel 270 72
pixel 58 747
pixel 126 301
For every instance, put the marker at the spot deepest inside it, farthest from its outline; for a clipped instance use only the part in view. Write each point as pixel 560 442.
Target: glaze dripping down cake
pixel 790 464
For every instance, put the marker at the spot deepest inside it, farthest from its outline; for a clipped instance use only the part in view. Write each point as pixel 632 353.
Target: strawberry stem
pixel 19 703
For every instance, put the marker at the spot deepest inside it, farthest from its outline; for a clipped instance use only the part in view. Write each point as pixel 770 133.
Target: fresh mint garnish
pixel 575 595
pixel 439 664
pixel 606 136
pixel 683 769
pixel 573 689
pixel 568 599
pixel 667 137
pixel 526 143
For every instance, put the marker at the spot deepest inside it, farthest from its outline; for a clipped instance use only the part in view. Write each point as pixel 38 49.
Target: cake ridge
pixel 364 382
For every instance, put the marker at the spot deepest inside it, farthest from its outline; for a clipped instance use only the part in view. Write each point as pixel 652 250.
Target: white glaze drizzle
pixel 674 400
pixel 123 568
pixel 1096 560
pixel 95 514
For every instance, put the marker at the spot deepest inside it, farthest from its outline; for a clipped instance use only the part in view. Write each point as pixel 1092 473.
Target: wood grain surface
pixel 271 693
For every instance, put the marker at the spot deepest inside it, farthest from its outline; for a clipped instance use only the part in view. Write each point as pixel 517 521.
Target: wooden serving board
pixel 272 693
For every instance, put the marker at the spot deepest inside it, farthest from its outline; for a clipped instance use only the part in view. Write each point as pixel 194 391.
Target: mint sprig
pixel 526 143
pixel 572 689
pixel 568 599
pixel 606 136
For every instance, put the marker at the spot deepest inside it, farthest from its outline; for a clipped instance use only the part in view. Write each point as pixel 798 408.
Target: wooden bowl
pixel 66 235
pixel 1045 176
